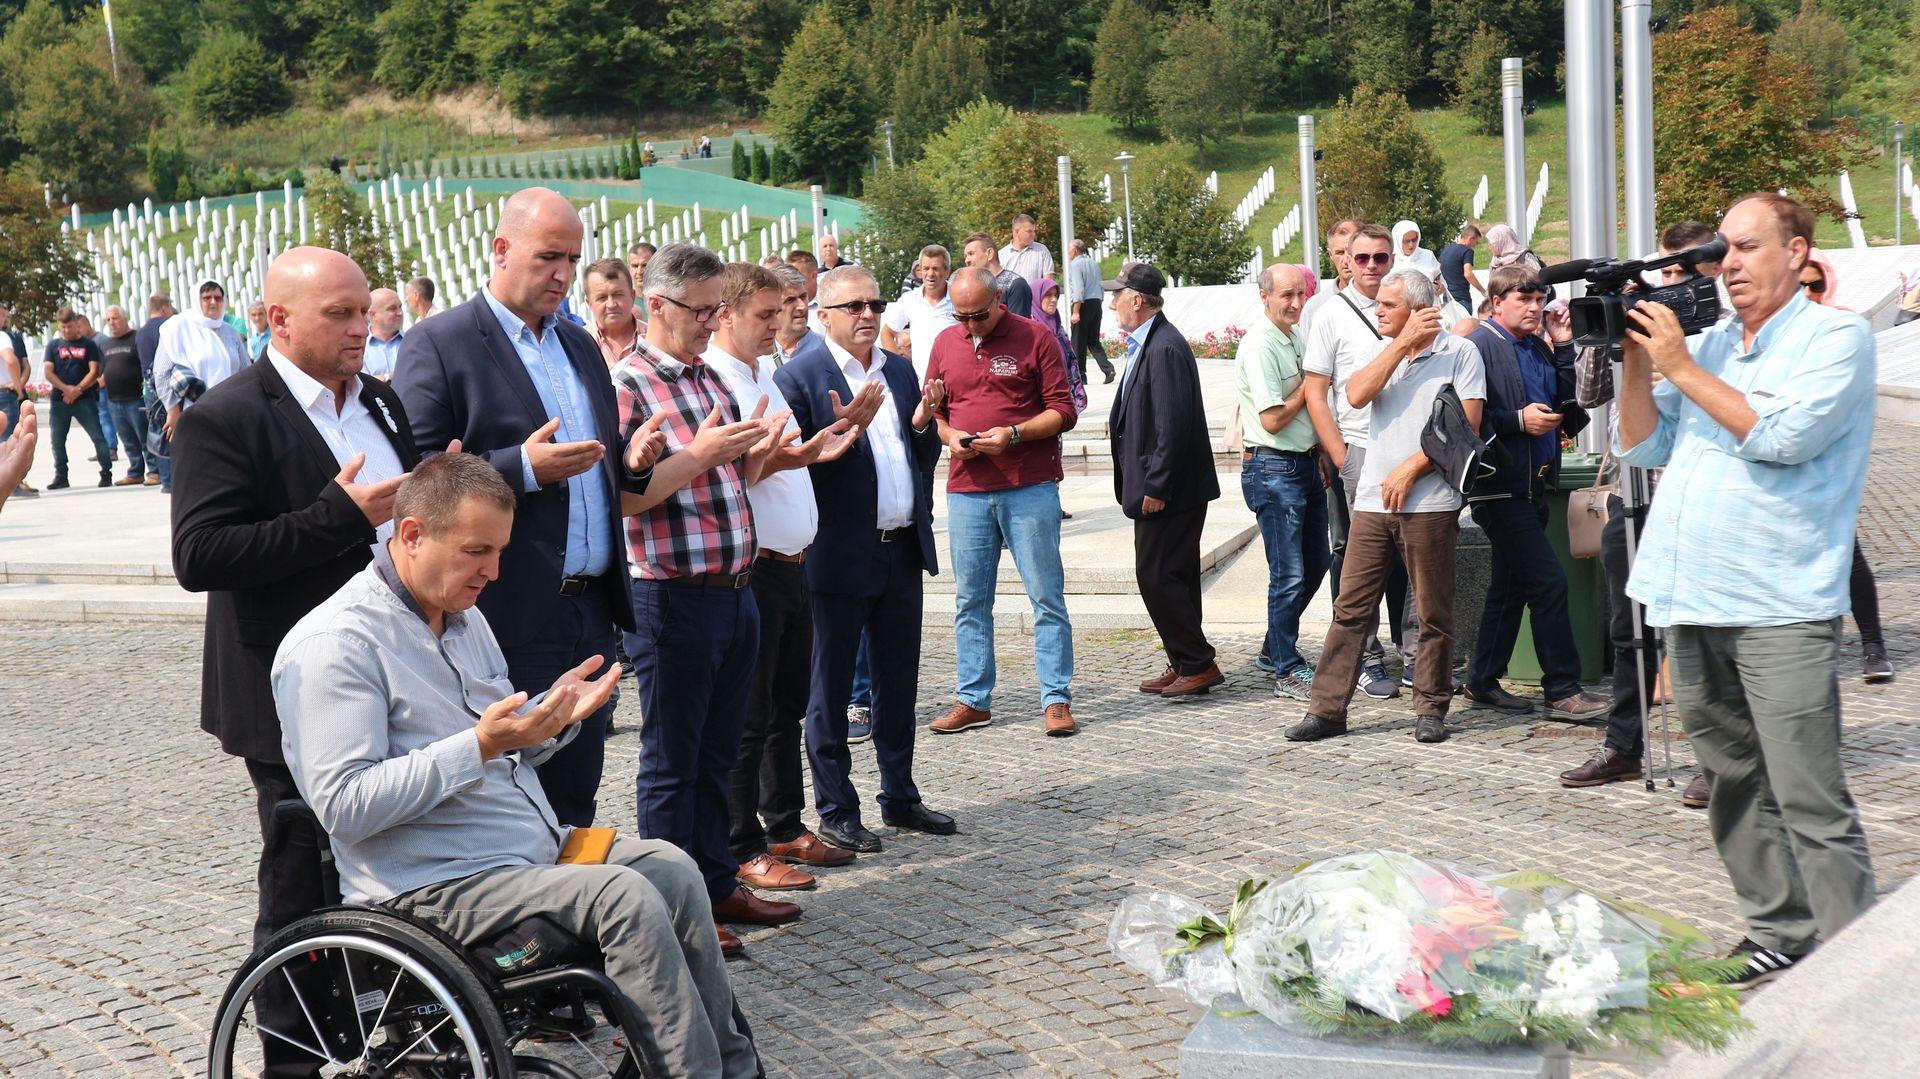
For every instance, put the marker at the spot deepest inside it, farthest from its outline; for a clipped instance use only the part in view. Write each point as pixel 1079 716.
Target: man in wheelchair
pixel 417 756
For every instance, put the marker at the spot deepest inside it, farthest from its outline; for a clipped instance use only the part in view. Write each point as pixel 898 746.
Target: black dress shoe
pixel 920 819
pixel 1313 728
pixel 849 837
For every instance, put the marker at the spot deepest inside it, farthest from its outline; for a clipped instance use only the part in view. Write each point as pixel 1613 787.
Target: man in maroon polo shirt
pixel 1007 402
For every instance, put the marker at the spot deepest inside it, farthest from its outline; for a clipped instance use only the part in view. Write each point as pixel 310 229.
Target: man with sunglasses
pixel 691 544
pixel 1341 339
pixel 876 540
pixel 1529 407
pixel 1007 402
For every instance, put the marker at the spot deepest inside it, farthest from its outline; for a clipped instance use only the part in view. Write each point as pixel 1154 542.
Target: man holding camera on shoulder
pixel 1764 424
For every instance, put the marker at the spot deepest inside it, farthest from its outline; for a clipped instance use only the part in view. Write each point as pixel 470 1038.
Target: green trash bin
pixel 1586 583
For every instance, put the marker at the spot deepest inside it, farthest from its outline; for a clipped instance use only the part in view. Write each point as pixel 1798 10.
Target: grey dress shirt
pixel 378 724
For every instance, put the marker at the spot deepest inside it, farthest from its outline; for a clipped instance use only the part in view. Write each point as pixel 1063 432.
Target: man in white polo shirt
pixel 766 792
pixel 1026 255
pixel 1342 338
pixel 923 312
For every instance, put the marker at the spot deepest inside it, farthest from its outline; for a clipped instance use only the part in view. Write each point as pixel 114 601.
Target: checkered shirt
pixel 706 526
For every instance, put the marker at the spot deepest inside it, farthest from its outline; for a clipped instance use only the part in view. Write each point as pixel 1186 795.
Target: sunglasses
pixel 1818 284
pixel 700 314
pixel 973 316
pixel 1380 259
pixel 854 307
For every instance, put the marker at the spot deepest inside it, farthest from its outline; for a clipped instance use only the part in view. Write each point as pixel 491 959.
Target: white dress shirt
pixel 785 515
pixel 922 320
pixel 892 460
pixel 347 431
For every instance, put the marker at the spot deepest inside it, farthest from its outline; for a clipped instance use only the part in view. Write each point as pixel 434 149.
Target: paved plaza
pixel 127 843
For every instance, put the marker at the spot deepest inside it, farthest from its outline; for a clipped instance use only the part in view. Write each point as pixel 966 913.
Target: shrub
pixel 232 79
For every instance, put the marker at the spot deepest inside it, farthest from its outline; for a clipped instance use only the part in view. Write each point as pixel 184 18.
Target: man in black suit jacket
pixel 528 391
pixel 1163 476
pixel 285 476
pixel 864 569
pixel 1529 406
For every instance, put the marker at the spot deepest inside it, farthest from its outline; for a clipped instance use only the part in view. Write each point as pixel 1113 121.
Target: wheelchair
pixel 382 995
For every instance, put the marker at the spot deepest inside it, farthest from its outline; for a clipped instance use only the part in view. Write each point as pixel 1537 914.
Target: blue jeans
pixel 1288 499
pixel 106 422
pixel 1028 520
pixel 862 678
pixel 129 419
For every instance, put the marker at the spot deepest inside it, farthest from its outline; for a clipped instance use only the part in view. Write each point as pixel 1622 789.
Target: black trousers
pixel 1166 564
pixel 766 785
pixel 571 777
pixel 1086 337
pixel 1866 600
pixel 292 884
pixel 1527 579
pixel 1633 677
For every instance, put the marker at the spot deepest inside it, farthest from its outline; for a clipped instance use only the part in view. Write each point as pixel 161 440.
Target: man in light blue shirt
pixel 383 333
pixel 1764 425
pixel 1084 296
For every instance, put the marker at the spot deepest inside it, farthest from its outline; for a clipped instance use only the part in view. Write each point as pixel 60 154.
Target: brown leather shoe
pixel 766 871
pixel 1188 685
pixel 745 907
pixel 1058 721
pixel 1581 705
pixel 808 849
pixel 1155 685
pixel 1608 765
pixel 152 480
pixel 959 718
pixel 1698 793
pixel 129 481
pixel 730 946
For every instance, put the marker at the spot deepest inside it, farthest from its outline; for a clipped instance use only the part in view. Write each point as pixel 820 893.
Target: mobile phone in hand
pixel 966 441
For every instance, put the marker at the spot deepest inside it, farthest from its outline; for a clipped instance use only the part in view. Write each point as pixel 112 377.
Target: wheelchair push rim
pixel 454 1044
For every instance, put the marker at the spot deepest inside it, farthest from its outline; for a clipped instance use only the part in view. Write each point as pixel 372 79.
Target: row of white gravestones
pixel 1537 202
pixel 1480 198
pixel 1253 200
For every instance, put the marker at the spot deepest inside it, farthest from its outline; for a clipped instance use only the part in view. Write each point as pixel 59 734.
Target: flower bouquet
pixel 1384 943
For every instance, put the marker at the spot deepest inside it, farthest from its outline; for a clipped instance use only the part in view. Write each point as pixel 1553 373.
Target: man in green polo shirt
pixel 1280 472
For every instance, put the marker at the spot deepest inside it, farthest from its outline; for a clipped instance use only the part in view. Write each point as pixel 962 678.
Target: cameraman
pixel 1764 424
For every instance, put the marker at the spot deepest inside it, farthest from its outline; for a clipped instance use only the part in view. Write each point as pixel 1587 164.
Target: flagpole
pixel 113 46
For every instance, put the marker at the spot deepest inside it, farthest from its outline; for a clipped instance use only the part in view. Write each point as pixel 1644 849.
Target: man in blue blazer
pixel 874 542
pixel 527 390
pixel 1529 405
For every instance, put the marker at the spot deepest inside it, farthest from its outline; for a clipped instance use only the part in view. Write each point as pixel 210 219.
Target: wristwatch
pixel 1014 438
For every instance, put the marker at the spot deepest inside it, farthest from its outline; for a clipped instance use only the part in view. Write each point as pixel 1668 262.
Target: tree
pixel 153 33
pixel 41 267
pixel 1184 229
pixel 1475 79
pixel 1020 174
pixel 782 169
pixel 821 110
pixel 344 223
pixel 1281 50
pixel 339 35
pixel 1376 165
pixel 167 166
pixel 1818 42
pixel 903 215
pixel 557 55
pixel 1192 88
pixel 1534 32
pixel 742 168
pixel 1123 58
pixel 73 118
pixel 953 161
pixel 948 65
pixel 1385 42
pixel 421 51
pixel 1729 119
pixel 232 79
pixel 760 167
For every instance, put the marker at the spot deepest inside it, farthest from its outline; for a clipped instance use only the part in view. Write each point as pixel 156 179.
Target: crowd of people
pixel 433 551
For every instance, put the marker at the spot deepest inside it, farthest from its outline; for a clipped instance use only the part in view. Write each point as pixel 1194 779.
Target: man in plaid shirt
pixel 691 546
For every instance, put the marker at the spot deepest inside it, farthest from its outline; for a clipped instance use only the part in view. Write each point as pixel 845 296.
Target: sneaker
pixel 1607 765
pixel 961 717
pixel 1313 728
pixel 1763 964
pixel 1264 662
pixel 1376 683
pixel 1430 729
pixel 1296 683
pixel 1697 793
pixel 859 725
pixel 1406 677
pixel 1874 667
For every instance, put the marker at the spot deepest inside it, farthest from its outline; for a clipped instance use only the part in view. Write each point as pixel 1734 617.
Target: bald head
pixel 1283 292
pixel 317 302
pixel 536 251
pixel 386 314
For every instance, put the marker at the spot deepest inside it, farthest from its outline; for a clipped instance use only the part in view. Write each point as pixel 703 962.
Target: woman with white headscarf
pixel 198 350
pixel 1409 255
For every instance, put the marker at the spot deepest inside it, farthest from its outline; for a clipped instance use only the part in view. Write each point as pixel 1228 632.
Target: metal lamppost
pixel 887 127
pixel 1126 190
pixel 1309 198
pixel 1899 211
pixel 1513 113
pixel 1636 85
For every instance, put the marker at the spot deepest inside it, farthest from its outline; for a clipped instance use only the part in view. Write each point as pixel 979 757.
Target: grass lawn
pixel 1273 139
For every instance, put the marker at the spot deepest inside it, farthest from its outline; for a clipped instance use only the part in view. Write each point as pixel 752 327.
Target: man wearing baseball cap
pixel 1163 475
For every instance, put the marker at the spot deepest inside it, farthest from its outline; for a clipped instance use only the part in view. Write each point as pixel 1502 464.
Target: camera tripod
pixel 1635 487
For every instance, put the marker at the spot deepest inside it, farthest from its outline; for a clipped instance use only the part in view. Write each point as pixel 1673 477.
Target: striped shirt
pixel 706 526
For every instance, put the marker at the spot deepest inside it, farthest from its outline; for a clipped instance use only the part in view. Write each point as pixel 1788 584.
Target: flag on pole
pixel 113 47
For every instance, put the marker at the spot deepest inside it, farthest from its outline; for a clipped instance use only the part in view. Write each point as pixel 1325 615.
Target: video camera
pixel 1615 287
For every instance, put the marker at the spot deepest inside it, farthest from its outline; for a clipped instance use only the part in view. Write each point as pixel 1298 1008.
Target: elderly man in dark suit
pixel 1163 476
pixel 1529 406
pixel 874 541
pixel 285 476
pixel 528 391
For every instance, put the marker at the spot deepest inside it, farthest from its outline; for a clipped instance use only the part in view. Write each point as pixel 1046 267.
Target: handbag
pixel 1587 513
pixel 1454 445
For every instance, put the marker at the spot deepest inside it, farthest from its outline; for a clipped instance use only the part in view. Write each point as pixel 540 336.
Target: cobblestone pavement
pixel 127 845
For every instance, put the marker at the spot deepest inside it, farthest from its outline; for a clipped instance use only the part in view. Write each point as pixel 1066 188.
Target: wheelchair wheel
pixel 374 996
